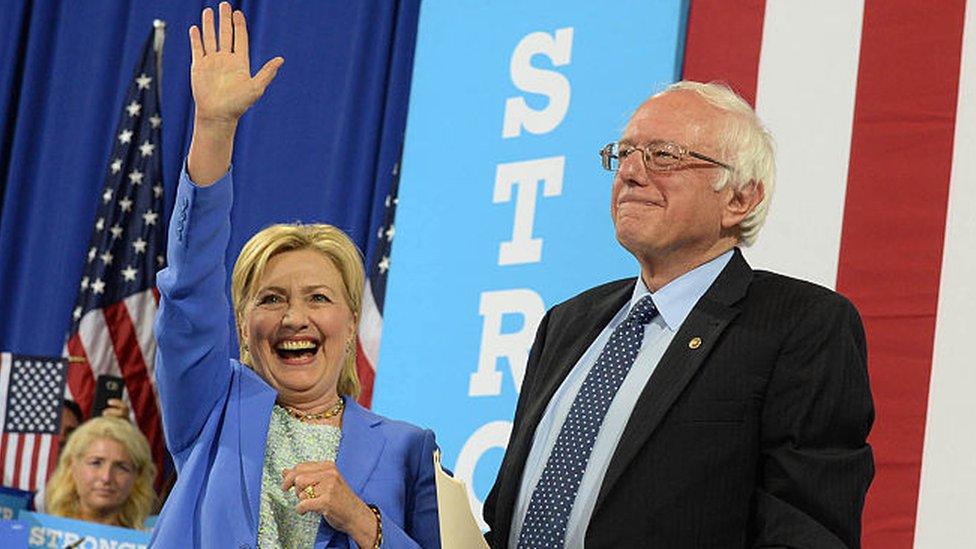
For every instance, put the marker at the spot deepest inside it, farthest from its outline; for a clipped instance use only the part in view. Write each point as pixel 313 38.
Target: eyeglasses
pixel 657 156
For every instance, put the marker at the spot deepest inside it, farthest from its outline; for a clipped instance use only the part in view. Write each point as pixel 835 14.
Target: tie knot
pixel 643 311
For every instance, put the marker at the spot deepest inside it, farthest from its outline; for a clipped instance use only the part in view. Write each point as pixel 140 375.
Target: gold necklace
pixel 307 418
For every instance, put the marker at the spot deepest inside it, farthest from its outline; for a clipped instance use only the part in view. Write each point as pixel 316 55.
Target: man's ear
pixel 741 202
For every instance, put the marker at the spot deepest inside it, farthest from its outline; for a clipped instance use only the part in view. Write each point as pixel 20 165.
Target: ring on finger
pixel 309 491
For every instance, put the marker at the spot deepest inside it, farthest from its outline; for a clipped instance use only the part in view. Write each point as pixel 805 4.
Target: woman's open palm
pixel 220 75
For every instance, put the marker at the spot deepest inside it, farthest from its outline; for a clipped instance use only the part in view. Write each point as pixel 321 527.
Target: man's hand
pixel 220 75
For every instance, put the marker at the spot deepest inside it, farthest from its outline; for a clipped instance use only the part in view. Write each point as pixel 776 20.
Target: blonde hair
pixel 747 143
pixel 325 239
pixel 61 494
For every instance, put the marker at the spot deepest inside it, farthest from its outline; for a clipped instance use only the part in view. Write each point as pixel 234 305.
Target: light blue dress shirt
pixel 674 301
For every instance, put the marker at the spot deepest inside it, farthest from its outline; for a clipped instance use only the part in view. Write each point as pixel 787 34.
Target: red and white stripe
pixel 26 460
pixel 368 345
pixel 947 495
pixel 873 107
pixel 118 340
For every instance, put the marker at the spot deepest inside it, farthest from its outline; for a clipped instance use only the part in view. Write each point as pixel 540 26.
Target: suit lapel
pixel 588 323
pixel 254 402
pixel 707 320
pixel 359 452
pixel 579 331
pixel 360 448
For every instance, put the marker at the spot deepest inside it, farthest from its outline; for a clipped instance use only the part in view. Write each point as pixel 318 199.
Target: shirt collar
pixel 676 299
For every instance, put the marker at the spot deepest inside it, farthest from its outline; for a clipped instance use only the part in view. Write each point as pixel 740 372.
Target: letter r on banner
pixel 522 248
pixel 487 381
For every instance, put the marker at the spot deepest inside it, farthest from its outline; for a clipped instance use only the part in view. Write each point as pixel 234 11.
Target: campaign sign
pixel 503 208
pixel 13 534
pixel 55 532
pixel 13 501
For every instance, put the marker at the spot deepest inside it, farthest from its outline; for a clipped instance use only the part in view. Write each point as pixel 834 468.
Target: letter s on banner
pixel 488 436
pixel 487 381
pixel 36 536
pixel 550 83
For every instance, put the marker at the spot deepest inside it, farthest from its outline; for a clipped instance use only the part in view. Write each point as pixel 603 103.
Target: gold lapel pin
pixel 694 343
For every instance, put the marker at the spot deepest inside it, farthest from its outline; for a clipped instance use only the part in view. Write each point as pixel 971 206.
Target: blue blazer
pixel 216 411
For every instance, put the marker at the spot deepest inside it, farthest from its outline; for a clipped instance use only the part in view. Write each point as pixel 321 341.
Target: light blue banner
pixel 48 531
pixel 503 207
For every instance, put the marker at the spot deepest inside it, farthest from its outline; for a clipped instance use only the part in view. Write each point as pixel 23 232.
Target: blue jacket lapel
pixel 254 401
pixel 359 453
pixel 360 448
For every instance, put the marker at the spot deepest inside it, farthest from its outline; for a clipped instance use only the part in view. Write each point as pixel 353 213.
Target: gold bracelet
pixel 379 525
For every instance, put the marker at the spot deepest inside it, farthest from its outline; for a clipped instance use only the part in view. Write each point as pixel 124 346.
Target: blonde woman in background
pixel 104 475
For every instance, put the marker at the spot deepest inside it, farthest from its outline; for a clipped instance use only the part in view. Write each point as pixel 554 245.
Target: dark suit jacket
pixel 753 438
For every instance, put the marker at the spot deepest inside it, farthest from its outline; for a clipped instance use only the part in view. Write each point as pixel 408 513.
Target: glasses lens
pixel 609 158
pixel 662 155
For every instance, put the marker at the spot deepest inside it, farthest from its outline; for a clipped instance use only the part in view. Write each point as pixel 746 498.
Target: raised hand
pixel 223 89
pixel 221 71
pixel 116 407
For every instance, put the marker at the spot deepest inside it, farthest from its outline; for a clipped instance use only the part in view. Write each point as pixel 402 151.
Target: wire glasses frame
pixel 656 156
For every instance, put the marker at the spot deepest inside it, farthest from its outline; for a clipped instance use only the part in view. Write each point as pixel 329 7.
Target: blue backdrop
pixel 504 208
pixel 320 146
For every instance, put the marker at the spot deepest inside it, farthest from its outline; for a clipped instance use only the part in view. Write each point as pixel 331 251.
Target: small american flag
pixel 30 418
pixel 371 325
pixel 112 322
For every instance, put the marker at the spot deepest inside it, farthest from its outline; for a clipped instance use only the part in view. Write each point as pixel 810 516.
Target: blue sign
pixel 503 207
pixel 49 531
pixel 13 501
pixel 13 534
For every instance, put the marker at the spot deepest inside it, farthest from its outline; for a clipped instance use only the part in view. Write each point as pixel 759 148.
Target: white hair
pixel 748 146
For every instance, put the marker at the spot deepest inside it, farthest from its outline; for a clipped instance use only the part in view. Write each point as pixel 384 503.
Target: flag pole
pixel 159 36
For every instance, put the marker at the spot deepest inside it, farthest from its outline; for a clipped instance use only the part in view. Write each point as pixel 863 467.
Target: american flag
pixel 371 325
pixel 30 418
pixel 112 322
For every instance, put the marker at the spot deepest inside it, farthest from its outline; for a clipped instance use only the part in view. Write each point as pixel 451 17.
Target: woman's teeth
pixel 296 345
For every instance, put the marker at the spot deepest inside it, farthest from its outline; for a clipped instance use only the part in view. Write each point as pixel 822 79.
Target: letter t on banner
pixel 522 248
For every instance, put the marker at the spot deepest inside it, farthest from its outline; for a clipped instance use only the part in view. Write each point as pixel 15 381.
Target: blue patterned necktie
pixel 554 495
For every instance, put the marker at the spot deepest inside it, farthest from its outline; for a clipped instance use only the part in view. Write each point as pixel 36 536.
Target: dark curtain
pixel 321 145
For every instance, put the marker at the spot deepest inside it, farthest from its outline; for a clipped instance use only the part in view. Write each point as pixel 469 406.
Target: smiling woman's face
pixel 298 328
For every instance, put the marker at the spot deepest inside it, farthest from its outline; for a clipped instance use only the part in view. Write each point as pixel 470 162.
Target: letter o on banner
pixel 488 436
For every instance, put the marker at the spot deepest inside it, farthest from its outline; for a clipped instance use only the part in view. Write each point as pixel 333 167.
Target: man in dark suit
pixel 702 404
